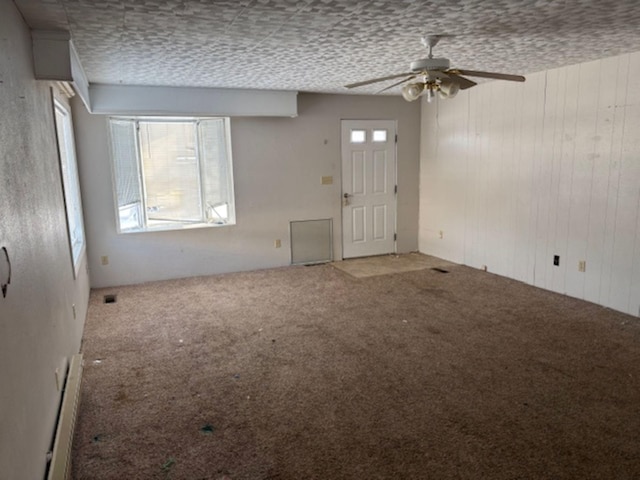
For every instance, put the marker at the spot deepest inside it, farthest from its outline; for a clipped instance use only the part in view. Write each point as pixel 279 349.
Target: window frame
pixel 70 181
pixel 177 225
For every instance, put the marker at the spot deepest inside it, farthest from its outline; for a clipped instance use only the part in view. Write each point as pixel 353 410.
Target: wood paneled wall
pixel 513 174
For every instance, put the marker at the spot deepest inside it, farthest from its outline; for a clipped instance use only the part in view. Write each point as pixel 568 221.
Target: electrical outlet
pixel 582 266
pixel 104 260
pixel 277 243
pixel 441 233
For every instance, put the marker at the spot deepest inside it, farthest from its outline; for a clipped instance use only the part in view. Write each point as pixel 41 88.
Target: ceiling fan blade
pixel 376 80
pixel 463 82
pixel 410 77
pixel 498 76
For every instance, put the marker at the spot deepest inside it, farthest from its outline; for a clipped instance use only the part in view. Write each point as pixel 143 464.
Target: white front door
pixel 368 187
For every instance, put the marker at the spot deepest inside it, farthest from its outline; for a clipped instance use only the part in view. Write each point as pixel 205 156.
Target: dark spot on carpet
pixel 207 429
pixel 434 330
pixel 121 396
pixel 441 270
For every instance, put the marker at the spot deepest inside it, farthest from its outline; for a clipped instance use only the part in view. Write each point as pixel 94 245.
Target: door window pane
pixel 380 136
pixel 358 136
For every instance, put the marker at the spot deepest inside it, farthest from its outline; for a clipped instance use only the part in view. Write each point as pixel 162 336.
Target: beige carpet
pixel 309 373
pixel 387 264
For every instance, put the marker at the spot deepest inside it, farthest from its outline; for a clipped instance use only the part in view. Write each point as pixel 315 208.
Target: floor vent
pixel 111 298
pixel 441 270
pixel 60 468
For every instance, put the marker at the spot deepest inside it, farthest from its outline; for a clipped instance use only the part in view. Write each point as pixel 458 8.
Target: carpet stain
pixel 121 396
pixel 207 429
pixel 433 330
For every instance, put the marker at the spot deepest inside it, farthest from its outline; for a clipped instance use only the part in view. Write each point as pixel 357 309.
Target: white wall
pixel 37 330
pixel 278 166
pixel 513 174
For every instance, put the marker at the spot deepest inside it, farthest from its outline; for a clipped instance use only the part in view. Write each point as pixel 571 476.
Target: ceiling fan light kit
pixel 411 91
pixel 430 75
pixel 448 89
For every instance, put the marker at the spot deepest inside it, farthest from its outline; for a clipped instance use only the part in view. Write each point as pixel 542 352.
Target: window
pixel 70 182
pixel 172 173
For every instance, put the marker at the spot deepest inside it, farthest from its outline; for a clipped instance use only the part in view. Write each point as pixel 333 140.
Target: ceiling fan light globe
pixel 448 89
pixel 411 91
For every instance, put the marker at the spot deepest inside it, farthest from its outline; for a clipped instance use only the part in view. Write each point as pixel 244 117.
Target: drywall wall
pixel 513 174
pixel 38 332
pixel 278 167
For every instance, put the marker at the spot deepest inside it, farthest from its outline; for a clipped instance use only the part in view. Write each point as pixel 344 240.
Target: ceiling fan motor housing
pixel 430 64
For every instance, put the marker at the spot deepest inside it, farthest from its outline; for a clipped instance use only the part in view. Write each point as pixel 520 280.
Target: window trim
pixel 177 226
pixel 62 106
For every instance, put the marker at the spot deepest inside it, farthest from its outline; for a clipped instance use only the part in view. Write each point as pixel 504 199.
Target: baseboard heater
pixel 60 466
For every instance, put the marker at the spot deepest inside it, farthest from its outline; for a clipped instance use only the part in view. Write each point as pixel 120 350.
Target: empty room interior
pixel 319 239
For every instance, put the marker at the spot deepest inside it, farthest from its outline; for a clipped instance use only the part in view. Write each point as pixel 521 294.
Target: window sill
pixel 178 227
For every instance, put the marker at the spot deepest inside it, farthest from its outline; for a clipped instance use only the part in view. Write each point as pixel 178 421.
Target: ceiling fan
pixel 430 75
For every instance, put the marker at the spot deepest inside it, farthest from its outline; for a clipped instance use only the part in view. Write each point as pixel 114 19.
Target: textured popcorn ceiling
pixel 320 45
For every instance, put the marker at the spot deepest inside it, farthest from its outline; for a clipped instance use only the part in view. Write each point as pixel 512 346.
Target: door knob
pixel 347 195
